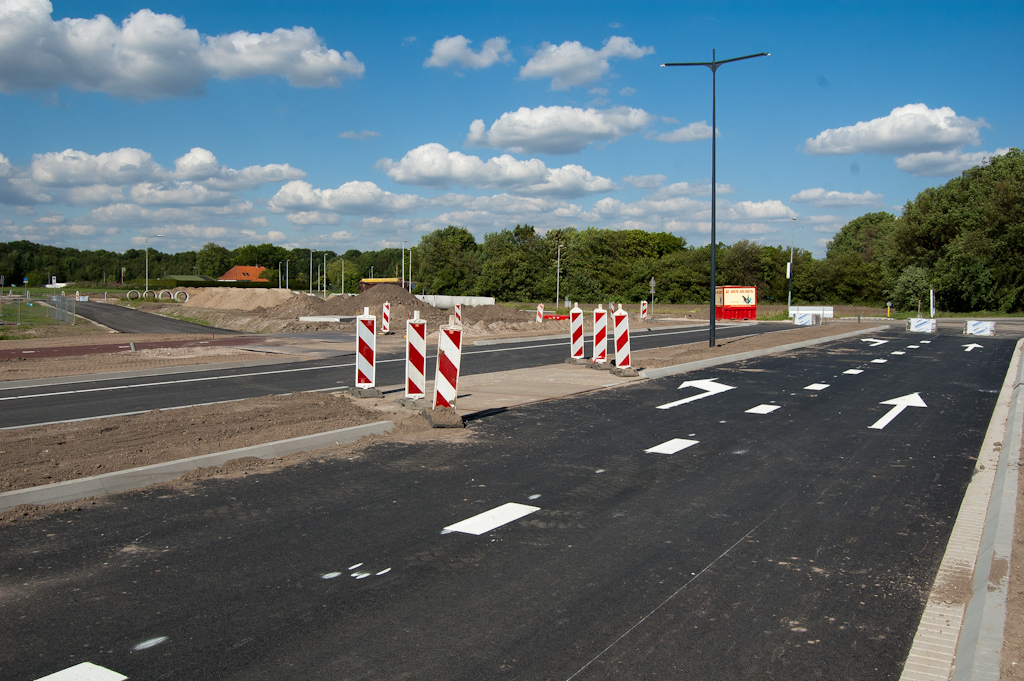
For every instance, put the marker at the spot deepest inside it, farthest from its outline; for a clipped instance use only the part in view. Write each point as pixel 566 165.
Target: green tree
pixel 213 260
pixel 447 262
pixel 911 289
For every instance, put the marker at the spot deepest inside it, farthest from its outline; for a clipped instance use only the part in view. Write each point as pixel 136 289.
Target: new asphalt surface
pixel 128 320
pixel 77 399
pixel 695 541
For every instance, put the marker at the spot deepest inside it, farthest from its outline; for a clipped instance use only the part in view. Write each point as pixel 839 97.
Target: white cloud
pixel 758 210
pixel 313 217
pixel 823 197
pixel 557 129
pixel 645 181
pixel 693 132
pixel 913 128
pixel 152 55
pixel 71 168
pixel 627 91
pixel 944 163
pixel 456 50
pixel 571 64
pixel 177 194
pixel 688 189
pixel 95 195
pixel 359 135
pixel 349 198
pixel 433 165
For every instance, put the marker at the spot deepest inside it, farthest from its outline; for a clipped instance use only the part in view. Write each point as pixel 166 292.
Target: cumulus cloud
pixel 557 129
pixel 693 132
pixel 433 165
pixel 571 64
pixel 772 209
pixel 151 56
pixel 830 198
pixel 456 50
pixel 645 181
pixel 349 198
pixel 944 163
pixel 913 128
pixel 71 168
pixel 313 217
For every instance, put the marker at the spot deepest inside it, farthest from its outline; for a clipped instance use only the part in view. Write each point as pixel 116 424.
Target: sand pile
pixel 236 298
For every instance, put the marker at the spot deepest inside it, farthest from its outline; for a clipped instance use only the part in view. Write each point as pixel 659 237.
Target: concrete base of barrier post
pixel 365 393
pixel 624 372
pixel 444 417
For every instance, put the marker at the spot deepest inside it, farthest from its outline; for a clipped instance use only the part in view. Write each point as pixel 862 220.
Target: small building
pixel 244 273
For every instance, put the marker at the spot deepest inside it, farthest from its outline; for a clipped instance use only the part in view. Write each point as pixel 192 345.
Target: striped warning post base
pixel 458 313
pixel 415 357
pixel 600 335
pixel 449 359
pixel 643 309
pixel 621 318
pixel 540 313
pixel 576 332
pixel 366 349
pixel 385 318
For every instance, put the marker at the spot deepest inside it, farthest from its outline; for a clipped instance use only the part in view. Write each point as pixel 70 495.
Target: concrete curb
pixel 963 641
pixel 133 478
pixel 564 335
pixel 728 359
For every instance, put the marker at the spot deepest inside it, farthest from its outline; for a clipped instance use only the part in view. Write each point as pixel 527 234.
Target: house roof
pixel 243 273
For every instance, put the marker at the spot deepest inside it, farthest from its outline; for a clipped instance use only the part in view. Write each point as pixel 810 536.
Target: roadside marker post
pixel 449 359
pixel 621 318
pixel 600 335
pixel 458 313
pixel 540 313
pixel 576 332
pixel 643 309
pixel 366 349
pixel 385 320
pixel 415 357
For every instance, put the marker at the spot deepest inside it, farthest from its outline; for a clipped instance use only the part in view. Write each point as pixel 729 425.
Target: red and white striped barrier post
pixel 540 313
pixel 621 337
pixel 385 319
pixel 415 357
pixel 449 359
pixel 576 332
pixel 600 335
pixel 458 313
pixel 643 309
pixel 366 349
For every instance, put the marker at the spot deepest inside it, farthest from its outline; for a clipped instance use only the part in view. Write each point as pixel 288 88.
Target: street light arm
pixel 718 62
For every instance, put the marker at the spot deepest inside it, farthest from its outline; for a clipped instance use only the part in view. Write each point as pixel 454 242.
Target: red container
pixel 736 302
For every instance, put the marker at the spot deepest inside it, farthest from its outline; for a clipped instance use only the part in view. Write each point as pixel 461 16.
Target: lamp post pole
pixel 789 273
pixel 311 271
pixel 713 65
pixel 151 236
pixel 401 282
pixel 287 273
pixel 279 274
pixel 558 275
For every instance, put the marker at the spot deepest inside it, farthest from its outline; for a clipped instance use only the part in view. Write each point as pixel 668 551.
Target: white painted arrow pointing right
pixel 972 346
pixel 875 342
pixel 899 404
pixel 710 386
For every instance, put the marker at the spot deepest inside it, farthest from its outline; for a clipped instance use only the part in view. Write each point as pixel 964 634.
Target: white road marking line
pixel 357 565
pixel 151 643
pixel 854 372
pixel 879 361
pixel 899 404
pixel 710 386
pixel 763 409
pixel 924 341
pixel 816 386
pixel 672 446
pixel 913 347
pixel 86 671
pixel 495 518
pixel 533 496
pixel 897 352
pixel 384 572
pixel 331 575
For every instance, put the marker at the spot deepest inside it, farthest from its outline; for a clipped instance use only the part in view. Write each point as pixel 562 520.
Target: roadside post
pixel 643 309
pixel 415 357
pixel 366 350
pixel 540 313
pixel 621 317
pixel 385 320
pixel 600 335
pixel 576 332
pixel 449 359
pixel 458 313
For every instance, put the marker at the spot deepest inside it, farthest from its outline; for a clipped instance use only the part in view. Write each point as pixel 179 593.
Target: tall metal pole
pixel 151 236
pixel 279 274
pixel 325 275
pixel 402 281
pixel 789 274
pixel 287 273
pixel 558 275
pixel 713 65
pixel 311 271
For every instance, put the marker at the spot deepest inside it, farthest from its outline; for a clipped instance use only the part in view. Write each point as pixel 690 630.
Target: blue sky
pixel 337 125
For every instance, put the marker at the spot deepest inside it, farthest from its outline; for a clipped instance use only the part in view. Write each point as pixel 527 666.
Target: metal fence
pixel 63 308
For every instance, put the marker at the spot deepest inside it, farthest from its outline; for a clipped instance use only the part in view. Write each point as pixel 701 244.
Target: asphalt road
pixel 128 320
pixel 792 544
pixel 56 401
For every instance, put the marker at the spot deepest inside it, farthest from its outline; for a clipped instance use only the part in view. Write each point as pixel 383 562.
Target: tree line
pixel 965 240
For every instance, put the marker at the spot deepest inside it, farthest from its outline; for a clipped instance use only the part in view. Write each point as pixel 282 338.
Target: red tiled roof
pixel 242 273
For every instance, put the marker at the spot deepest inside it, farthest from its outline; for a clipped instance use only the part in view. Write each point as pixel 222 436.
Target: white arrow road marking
pixel 489 520
pixel 710 386
pixel 816 386
pixel 972 346
pixel 854 372
pixel 899 404
pixel 672 446
pixel 763 409
pixel 875 342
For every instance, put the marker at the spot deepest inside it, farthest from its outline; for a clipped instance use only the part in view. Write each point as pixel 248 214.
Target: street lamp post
pixel 558 274
pixel 311 271
pixel 151 236
pixel 279 274
pixel 789 272
pixel 713 65
pixel 410 267
pixel 402 280
pixel 287 273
